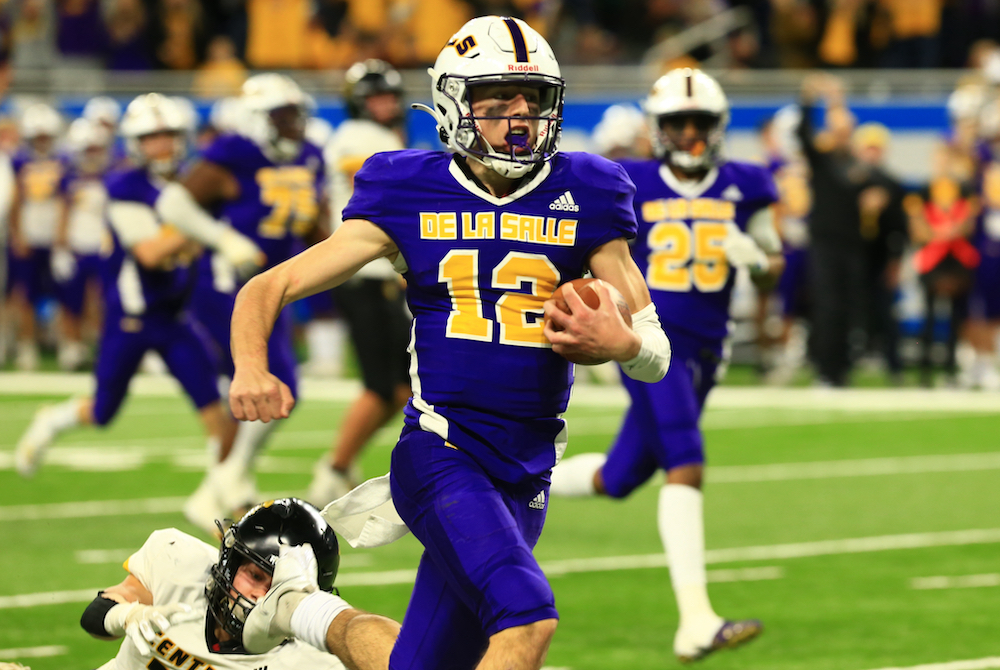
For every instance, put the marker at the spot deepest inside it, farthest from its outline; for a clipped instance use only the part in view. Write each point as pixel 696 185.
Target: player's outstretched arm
pixel 127 609
pixel 255 393
pixel 184 206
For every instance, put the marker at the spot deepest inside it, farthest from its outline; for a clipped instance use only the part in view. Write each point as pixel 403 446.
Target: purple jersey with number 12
pixel 484 375
pixel 681 230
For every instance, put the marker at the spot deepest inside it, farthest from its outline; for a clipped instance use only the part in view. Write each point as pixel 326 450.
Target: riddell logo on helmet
pixel 521 67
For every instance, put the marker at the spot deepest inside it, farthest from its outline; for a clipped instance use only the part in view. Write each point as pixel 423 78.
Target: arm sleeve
pixel 369 197
pixel 761 228
pixel 133 222
pixel 805 131
pixel 619 218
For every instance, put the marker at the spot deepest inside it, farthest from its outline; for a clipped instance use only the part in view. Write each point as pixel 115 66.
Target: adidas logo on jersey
pixel 538 502
pixel 565 203
pixel 733 193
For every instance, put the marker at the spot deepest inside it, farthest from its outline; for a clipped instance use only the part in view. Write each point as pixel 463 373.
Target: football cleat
pixel 732 634
pixel 31 448
pixel 203 507
pixel 328 484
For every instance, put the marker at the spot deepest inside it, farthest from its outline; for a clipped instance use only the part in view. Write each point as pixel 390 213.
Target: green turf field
pixel 826 554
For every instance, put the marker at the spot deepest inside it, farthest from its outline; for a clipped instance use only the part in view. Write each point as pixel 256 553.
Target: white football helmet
pixel 228 115
pixel 687 91
pixel 263 94
pixel 620 127
pixel 191 117
pixel 84 136
pixel 154 113
pixel 103 109
pixel 492 50
pixel 319 131
pixel 40 120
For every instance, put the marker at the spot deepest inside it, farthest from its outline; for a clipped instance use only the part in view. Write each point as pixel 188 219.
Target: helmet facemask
pixel 227 605
pixel 521 154
pixel 689 152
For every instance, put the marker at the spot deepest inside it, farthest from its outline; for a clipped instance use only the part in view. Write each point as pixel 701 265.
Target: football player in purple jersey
pixel 250 198
pixel 483 234
pixel 38 206
pixel 83 228
pixel 148 277
pixel 700 218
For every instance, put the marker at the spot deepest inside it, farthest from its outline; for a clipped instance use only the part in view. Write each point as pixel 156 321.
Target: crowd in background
pixel 223 37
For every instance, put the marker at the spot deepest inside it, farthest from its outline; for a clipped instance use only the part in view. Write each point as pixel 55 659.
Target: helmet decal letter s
pixel 463 47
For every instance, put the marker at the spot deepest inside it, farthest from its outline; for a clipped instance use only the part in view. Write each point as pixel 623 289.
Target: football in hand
pixel 585 289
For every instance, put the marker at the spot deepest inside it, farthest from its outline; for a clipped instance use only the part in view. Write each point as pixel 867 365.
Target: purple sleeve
pixel 228 151
pixel 368 201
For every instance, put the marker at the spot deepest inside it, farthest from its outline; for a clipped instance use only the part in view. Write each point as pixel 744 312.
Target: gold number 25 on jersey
pixel 674 246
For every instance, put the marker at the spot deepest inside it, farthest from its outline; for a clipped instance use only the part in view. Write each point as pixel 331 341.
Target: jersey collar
pixel 472 187
pixel 688 189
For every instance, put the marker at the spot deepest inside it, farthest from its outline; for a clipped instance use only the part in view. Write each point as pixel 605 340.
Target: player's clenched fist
pixel 258 395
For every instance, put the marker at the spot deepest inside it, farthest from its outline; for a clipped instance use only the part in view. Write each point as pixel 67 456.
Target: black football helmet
pixel 367 78
pixel 257 538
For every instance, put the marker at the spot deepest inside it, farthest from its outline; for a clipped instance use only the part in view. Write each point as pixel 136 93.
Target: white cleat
pixel 31 447
pixel 328 484
pixel 203 508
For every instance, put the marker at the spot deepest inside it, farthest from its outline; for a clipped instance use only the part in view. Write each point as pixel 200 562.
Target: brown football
pixel 585 289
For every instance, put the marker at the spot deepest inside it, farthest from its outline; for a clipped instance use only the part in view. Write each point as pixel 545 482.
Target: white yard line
pixel 589 395
pixel 975 664
pixel 958 582
pixel 862 467
pixel 614 563
pixel 34 652
pixel 118 556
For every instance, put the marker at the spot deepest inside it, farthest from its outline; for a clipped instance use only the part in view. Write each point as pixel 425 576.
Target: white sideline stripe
pixel 34 652
pixel 960 582
pixel 975 664
pixel 727 397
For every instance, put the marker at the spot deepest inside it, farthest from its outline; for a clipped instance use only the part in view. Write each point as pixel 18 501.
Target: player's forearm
pixel 768 279
pixel 177 206
pixel 156 252
pixel 257 307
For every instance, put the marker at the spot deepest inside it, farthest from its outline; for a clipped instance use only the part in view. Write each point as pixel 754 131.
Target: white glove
pixel 144 623
pixel 63 264
pixel 241 252
pixel 742 251
pixel 270 621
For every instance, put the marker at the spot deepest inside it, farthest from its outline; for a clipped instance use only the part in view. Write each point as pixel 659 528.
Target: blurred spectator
pixel 223 73
pixel 128 39
pixel 32 35
pixel 276 31
pixel 180 34
pixel 795 31
pixel 942 218
pixel 884 232
pixel 837 254
pixel 915 33
pixel 80 34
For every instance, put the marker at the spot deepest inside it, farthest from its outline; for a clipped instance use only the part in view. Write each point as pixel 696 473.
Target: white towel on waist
pixel 366 517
